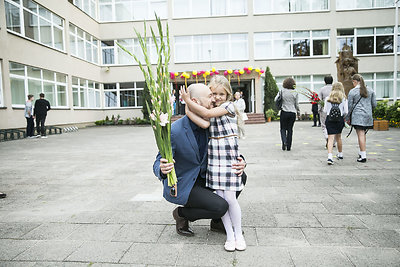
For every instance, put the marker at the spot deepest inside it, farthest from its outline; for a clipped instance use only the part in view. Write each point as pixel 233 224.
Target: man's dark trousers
pixel 40 128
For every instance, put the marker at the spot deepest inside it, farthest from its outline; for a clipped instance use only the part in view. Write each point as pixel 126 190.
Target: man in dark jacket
pixel 40 113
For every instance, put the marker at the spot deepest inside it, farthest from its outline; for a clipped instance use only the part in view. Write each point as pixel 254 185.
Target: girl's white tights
pixel 233 217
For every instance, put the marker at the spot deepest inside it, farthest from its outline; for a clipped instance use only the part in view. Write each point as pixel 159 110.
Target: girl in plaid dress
pixel 223 151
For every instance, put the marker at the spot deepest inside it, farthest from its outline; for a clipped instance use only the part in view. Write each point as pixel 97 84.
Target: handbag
pixel 279 100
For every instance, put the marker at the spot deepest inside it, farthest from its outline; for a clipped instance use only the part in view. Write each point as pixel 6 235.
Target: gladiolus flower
pixel 163 119
pixel 152 116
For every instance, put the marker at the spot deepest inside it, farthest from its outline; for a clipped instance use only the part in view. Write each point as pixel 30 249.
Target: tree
pixel 270 91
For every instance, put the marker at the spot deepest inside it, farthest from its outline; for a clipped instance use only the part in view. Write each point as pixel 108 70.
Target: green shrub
pixel 380 111
pixel 270 91
pixel 101 122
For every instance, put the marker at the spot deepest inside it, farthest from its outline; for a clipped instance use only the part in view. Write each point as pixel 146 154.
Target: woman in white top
pixel 241 115
pixel 336 109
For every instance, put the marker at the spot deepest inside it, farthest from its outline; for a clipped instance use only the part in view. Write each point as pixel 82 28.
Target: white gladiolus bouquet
pixel 162 100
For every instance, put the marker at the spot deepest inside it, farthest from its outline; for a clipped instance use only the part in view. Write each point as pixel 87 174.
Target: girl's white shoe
pixel 230 246
pixel 240 245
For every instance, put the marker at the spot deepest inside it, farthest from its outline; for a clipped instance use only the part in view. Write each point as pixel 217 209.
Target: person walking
pixel 242 116
pixel 336 108
pixel 290 106
pixel 40 113
pixel 314 109
pixel 323 94
pixel 362 101
pixel 29 117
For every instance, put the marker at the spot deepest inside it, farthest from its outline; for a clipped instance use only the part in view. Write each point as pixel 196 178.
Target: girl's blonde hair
pixel 337 94
pixel 220 80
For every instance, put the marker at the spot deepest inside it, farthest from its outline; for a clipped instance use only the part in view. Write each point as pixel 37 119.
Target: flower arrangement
pixel 311 95
pixel 162 101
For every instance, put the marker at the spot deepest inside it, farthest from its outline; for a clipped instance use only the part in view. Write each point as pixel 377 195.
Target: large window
pixel 217 47
pixel 366 41
pixel 313 82
pixel 128 10
pixel 86 93
pixel 83 45
pixel 87 6
pixel 382 83
pixel 35 22
pixel 291 44
pixel 32 80
pixel 209 8
pixel 127 94
pixel 360 4
pixel 113 54
pixel 1 85
pixel 285 6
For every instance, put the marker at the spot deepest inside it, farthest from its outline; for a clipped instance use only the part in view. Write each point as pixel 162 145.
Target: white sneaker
pixel 43 136
pixel 240 245
pixel 38 136
pixel 30 137
pixel 230 246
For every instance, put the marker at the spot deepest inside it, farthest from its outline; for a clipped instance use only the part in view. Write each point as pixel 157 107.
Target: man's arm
pixel 48 106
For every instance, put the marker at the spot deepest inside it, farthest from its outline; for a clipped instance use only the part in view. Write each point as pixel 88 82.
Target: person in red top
pixel 314 109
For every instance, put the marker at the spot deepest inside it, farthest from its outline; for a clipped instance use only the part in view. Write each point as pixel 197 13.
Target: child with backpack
pixel 336 108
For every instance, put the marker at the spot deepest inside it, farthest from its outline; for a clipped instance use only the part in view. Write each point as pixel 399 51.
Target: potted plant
pixel 380 115
pixel 269 114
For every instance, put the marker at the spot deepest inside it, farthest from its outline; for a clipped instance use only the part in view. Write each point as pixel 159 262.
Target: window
pixel 366 41
pixel 86 93
pixel 128 10
pixel 35 22
pixel 1 85
pixel 83 45
pixel 113 54
pixel 87 6
pixel 285 6
pixel 205 48
pixel 312 82
pixel 209 8
pixel 126 94
pixel 362 4
pixel 382 83
pixel 32 80
pixel 291 44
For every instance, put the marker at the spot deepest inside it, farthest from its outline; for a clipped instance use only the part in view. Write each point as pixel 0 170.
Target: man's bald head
pixel 201 94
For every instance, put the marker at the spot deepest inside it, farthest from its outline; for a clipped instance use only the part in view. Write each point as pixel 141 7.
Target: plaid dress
pixel 223 150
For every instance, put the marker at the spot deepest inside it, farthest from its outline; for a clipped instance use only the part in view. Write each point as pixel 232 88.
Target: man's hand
pixel 166 167
pixel 239 166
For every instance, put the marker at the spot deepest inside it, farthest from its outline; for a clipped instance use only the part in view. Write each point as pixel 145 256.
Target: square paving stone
pixel 95 232
pixel 62 264
pixel 16 230
pixel 378 238
pixel 306 208
pixel 263 256
pixel 10 248
pixel 318 256
pixel 296 220
pixel 373 256
pixel 51 231
pixel 315 198
pixel 275 237
pixel 339 221
pixel 330 237
pixel 152 254
pixel 345 208
pixel 383 209
pixel 388 222
pixel 91 217
pixel 16 264
pixel 100 251
pixel 49 250
pixel 138 233
pixel 259 219
pixel 201 255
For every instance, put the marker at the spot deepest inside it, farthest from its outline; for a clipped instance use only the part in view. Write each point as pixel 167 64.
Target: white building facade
pixel 68 49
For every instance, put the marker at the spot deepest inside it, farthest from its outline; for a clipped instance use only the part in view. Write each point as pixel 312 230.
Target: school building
pixel 68 49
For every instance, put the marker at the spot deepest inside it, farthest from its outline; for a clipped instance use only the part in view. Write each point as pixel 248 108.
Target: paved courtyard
pixel 90 198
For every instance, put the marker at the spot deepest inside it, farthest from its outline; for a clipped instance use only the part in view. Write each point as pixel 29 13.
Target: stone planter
pixel 381 125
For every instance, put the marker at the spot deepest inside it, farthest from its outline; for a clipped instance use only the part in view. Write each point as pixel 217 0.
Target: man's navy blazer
pixel 188 162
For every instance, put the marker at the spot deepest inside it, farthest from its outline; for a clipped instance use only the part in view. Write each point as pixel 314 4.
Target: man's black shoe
pixel 217 226
pixel 3 195
pixel 283 146
pixel 182 225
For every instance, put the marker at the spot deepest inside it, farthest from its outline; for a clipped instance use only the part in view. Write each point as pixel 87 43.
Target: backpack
pixel 335 114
